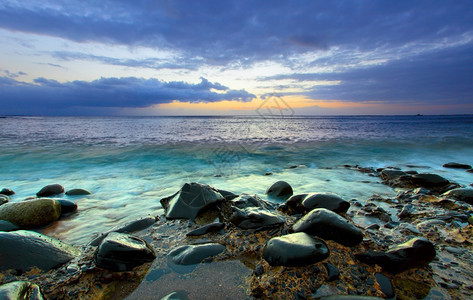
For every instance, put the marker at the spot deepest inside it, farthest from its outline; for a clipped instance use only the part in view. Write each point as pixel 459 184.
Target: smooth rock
pixel 191 199
pixel 429 180
pixel 255 217
pixel 67 207
pixel 213 227
pixel 454 165
pixel 295 250
pixel 388 174
pixel 7 226
pixel 123 252
pixel 385 285
pixel 332 272
pixel 4 199
pixel 27 214
pixel 417 252
pixel 7 192
pixel 227 195
pixel 328 225
pixel 177 295
pixel 349 297
pixel 129 227
pixel 77 192
pixel 50 190
pixel 245 201
pixel 19 290
pixel 194 254
pixel 462 194
pixel 280 189
pixel 34 249
pixel 470 220
pixel 326 200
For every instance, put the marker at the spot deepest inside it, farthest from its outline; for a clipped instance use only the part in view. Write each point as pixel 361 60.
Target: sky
pixel 141 57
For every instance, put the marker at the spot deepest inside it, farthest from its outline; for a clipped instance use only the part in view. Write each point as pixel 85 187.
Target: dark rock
pixel 245 201
pixel 27 214
pixel 389 175
pixel 4 199
pixel 349 297
pixel 194 254
pixel 429 180
pixel 470 220
pixel 454 165
pixel 326 200
pixel 280 189
pixel 268 173
pixel 191 199
pixel 417 252
pixel 217 226
pixel 7 226
pixel 7 192
pixel 255 217
pixel 462 194
pixel 77 192
pixel 177 295
pixel 67 207
pixel 332 272
pixel 385 285
pixel 19 290
pixel 130 227
pixel 406 211
pixel 227 195
pixel 50 190
pixel 34 249
pixel 259 270
pixel 123 252
pixel 328 225
pixel 373 227
pixel 295 250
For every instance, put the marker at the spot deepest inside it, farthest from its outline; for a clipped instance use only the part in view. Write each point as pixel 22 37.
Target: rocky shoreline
pixel 208 242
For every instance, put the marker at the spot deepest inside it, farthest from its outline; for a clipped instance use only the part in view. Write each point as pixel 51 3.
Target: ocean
pixel 130 163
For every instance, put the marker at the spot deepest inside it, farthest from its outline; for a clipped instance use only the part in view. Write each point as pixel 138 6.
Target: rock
pixel 177 295
pixel 4 199
pixel 385 285
pixel 373 227
pixel 217 226
pixel 332 272
pixel 417 252
pixel 77 192
pixel 50 190
pixel 349 297
pixel 67 207
pixel 27 214
pixel 280 189
pixel 7 226
pixel 7 192
pixel 389 175
pixel 429 180
pixel 406 211
pixel 454 165
pixel 245 201
pixel 326 200
pixel 19 290
pixel 328 225
pixel 470 220
pixel 255 217
pixel 130 227
pixel 35 250
pixel 123 252
pixel 462 194
pixel 295 250
pixel 194 254
pixel 191 199
pixel 227 195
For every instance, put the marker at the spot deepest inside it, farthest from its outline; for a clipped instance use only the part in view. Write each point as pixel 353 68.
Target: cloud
pixel 51 96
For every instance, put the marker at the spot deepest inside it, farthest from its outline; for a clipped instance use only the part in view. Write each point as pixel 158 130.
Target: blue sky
pixel 228 57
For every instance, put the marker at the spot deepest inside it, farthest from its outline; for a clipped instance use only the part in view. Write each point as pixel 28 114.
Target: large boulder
pixel 245 201
pixel 19 290
pixel 123 252
pixel 24 250
pixel 33 213
pixel 415 253
pixel 295 250
pixel 191 199
pixel 454 165
pixel 50 190
pixel 280 189
pixel 255 217
pixel 462 194
pixel 129 227
pixel 326 200
pixel 328 225
pixel 429 180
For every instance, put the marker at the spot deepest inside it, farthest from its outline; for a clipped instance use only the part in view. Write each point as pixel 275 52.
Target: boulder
pixel 130 227
pixel 462 194
pixel 34 213
pixel 245 201
pixel 280 189
pixel 7 192
pixel 19 290
pixel 77 192
pixel 255 217
pixel 123 252
pixel 191 199
pixel 67 207
pixel 389 175
pixel 194 254
pixel 7 226
pixel 326 200
pixel 213 227
pixel 454 165
pixel 50 190
pixel 295 250
pixel 328 225
pixel 227 195
pixel 415 253
pixel 429 180
pixel 34 249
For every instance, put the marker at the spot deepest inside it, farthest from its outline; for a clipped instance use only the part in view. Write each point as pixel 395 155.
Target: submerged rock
pixel 280 189
pixel 255 217
pixel 77 192
pixel 191 199
pixel 462 194
pixel 295 250
pixel 328 225
pixel 7 192
pixel 454 165
pixel 50 190
pixel 130 227
pixel 194 254
pixel 123 252
pixel 417 252
pixel 326 200
pixel 34 249
pixel 19 290
pixel 217 226
pixel 67 207
pixel 33 213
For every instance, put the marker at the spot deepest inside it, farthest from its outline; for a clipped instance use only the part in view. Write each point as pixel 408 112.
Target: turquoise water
pixel 129 164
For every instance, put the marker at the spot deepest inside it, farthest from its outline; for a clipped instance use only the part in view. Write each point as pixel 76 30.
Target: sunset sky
pixel 232 57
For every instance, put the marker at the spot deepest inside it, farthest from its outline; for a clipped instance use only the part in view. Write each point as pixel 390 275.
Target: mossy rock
pixel 32 213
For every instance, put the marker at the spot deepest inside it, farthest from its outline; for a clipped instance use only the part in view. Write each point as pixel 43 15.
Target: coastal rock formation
pixel 245 201
pixel 7 226
pixel 194 254
pixel 7 192
pixel 397 178
pixel 34 249
pixel 77 192
pixel 429 180
pixel 328 225
pixel 462 194
pixel 130 227
pixel 19 290
pixel 33 213
pixel 191 199
pixel 212 227
pixel 454 165
pixel 295 250
pixel 280 189
pixel 67 207
pixel 325 200
pixel 255 217
pixel 50 190
pixel 417 252
pixel 123 252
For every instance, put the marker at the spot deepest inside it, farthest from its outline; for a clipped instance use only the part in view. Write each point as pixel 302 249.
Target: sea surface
pixel 130 163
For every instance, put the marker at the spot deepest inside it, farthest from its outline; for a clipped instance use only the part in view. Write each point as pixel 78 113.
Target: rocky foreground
pixel 211 243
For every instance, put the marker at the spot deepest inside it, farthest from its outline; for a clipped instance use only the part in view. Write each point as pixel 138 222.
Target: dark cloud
pixel 52 97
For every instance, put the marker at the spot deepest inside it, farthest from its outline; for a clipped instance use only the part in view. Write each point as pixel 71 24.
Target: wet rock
pixel 177 295
pixel 123 252
pixel 462 194
pixel 429 180
pixel 454 165
pixel 245 201
pixel 417 252
pixel 34 249
pixel 373 227
pixel 130 227
pixel 328 225
pixel 50 190
pixel 325 200
pixel 191 199
pixel 406 211
pixel 67 207
pixel 385 285
pixel 349 297
pixel 194 254
pixel 389 175
pixel 7 192
pixel 295 250
pixel 255 217
pixel 332 272
pixel 27 214
pixel 213 227
pixel 227 195
pixel 77 192
pixel 19 290
pixel 470 220
pixel 4 199
pixel 280 189
pixel 7 226
pixel 259 270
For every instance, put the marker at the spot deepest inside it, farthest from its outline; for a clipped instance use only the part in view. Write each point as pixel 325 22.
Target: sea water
pixel 130 163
